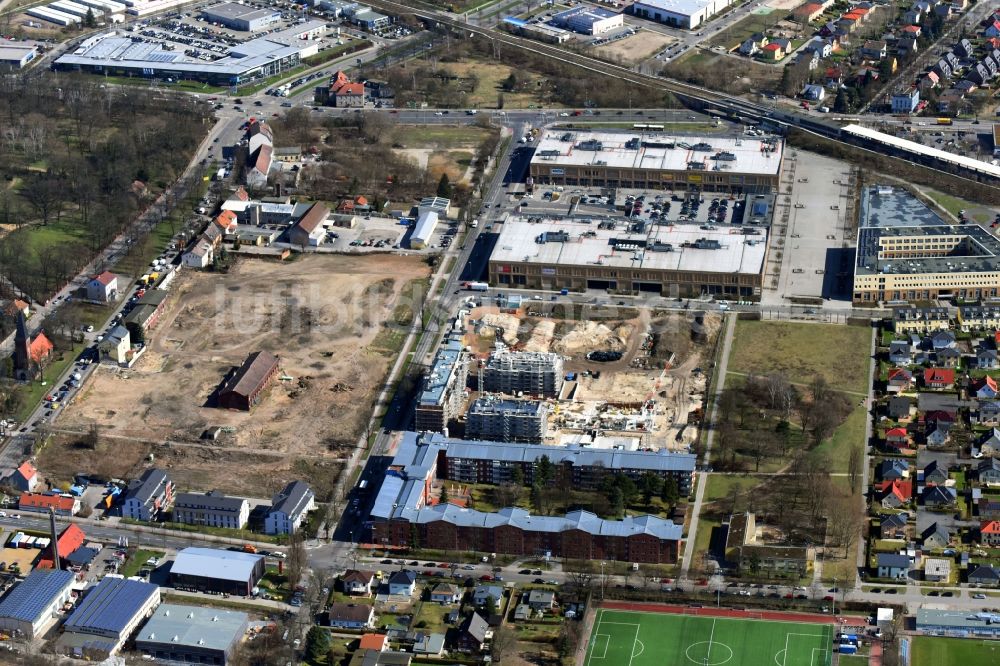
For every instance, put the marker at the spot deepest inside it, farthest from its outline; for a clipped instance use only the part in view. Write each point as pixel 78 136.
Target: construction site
pixel 546 373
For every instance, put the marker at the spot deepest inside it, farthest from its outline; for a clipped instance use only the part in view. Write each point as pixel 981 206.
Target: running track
pixel 775 616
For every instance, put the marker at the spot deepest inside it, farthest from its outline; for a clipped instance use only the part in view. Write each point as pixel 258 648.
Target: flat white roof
pixel 15 50
pixel 914 147
pixel 518 244
pixel 685 7
pixel 658 151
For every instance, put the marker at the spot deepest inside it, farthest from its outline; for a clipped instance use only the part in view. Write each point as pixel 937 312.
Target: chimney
pixel 55 539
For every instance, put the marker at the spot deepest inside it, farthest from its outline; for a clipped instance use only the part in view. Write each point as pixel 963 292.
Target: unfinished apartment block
pixel 504 420
pixel 530 373
pixel 443 393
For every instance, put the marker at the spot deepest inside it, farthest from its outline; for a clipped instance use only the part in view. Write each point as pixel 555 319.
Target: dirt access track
pixel 321 315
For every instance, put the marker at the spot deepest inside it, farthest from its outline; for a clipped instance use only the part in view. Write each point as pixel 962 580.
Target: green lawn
pixel 853 660
pixel 850 433
pixel 648 639
pixel 933 651
pixel 953 204
pixel 138 561
pixel 719 485
pixel 802 351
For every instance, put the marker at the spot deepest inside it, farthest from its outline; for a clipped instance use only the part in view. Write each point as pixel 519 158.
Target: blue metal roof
pixel 29 600
pixel 110 606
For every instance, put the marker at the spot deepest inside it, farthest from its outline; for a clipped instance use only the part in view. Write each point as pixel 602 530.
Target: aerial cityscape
pixel 530 332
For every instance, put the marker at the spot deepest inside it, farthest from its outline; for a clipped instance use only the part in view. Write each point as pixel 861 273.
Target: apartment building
pixel 530 373
pixel 506 420
pixel 212 508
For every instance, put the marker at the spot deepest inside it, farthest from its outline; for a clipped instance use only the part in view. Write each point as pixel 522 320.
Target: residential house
pixel 989 443
pixel 358 583
pixel 911 31
pixel 61 504
pixel 213 509
pixel 894 494
pixel 522 613
pixel 933 474
pixel 259 166
pixel 377 642
pixel 148 496
pixel 986 359
pixel 772 51
pixel 988 472
pixel 833 78
pixel 988 507
pixel 984 388
pixel 402 583
pixel 893 470
pixel 540 600
pixel 16 307
pixel 897 438
pixel 891 565
pixel 473 634
pixel 808 12
pixel 950 101
pixel 116 346
pixel 814 93
pixel 821 47
pixel 431 645
pixel 907 46
pixel 954 61
pixel 200 255
pixel 873 49
pixel 979 74
pixel 482 594
pixel 986 413
pixel 892 525
pixel 964 48
pixel 929 81
pixel 753 44
pixel 899 380
pixel 939 496
pixel 24 478
pixel 937 569
pixel 912 16
pixel 935 537
pixel 942 340
pixel 984 575
pixel 446 593
pixel 939 378
pixel 103 288
pixel 344 93
pixel 949 357
pixel 900 352
pixel 939 434
pixel 942 69
pixel 226 221
pixel 978 317
pixel 289 508
pixel 905 100
pixel 351 616
pixel 993 29
pixel 989 533
pixel 899 408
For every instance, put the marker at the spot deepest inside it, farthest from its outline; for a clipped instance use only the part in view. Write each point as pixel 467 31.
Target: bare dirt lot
pixel 640 46
pixel 321 315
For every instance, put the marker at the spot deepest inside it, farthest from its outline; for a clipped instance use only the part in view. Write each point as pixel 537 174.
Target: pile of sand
pixel 591 336
pixel 541 336
pixel 509 323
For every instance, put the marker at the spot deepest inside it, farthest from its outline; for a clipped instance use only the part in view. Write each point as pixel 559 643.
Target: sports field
pixel 935 651
pixel 622 638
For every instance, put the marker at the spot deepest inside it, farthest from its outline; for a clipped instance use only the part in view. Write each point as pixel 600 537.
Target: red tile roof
pixel 40 501
pixel 939 376
pixel 912 28
pixel 27 470
pixel 901 489
pixel 896 432
pixel 373 642
pixel 900 373
pixel 990 527
pixel 986 380
pixel 105 278
pixel 241 194
pixel 340 84
pixel 316 214
pixel 226 219
pixel 40 347
pixel 71 539
pixel 263 161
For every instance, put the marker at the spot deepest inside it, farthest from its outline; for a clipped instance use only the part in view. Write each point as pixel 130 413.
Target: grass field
pixel 838 353
pixel 651 639
pixel 934 651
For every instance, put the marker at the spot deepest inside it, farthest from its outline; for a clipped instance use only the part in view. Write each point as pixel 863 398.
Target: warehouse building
pixel 108 615
pixel 442 395
pixel 30 606
pixel 221 571
pixel 530 373
pixel 191 634
pixel 289 508
pixel 115 54
pixel 906 252
pixel 654 160
pixel 211 508
pixel 505 420
pixel 243 389
pixel 589 20
pixel 241 17
pixel 679 13
pixel 626 257
pixel 17 55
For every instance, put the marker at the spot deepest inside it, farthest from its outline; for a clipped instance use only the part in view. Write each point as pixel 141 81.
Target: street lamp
pixel 602 580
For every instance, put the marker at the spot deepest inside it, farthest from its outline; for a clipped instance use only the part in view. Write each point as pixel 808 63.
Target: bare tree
pixel 503 640
pixel 855 461
pixel 296 559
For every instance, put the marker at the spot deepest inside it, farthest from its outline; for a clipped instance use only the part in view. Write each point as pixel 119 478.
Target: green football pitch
pixel 622 638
